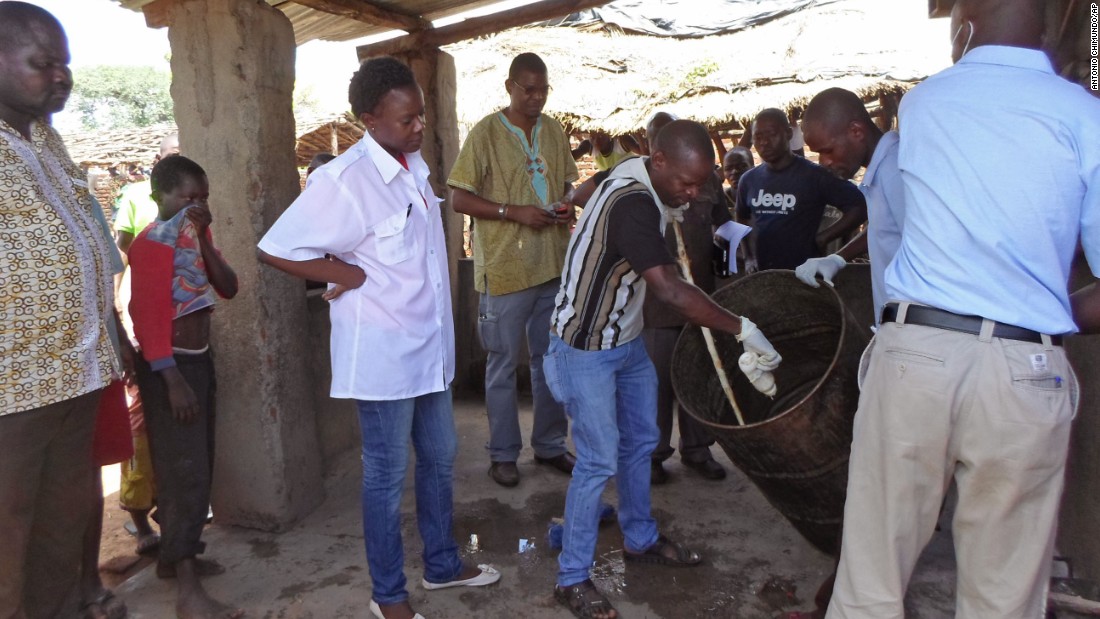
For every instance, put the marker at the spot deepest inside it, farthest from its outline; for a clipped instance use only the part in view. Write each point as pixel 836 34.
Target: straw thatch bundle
pixel 615 82
pixel 105 149
pixel 326 134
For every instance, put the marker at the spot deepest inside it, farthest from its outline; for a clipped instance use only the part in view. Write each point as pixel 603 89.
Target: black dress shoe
pixel 563 462
pixel 657 473
pixel 709 468
pixel 504 473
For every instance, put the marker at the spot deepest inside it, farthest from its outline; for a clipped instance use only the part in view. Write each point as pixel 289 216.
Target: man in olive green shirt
pixel 514 167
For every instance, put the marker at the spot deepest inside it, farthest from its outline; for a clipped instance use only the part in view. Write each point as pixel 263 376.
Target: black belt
pixel 940 319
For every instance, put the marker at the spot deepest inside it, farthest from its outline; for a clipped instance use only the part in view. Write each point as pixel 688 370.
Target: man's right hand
pixel 185 406
pixel 826 267
pixel 754 341
pixel 532 216
pixel 751 266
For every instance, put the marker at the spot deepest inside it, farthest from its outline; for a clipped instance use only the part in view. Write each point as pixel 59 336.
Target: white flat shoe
pixel 488 576
pixel 377 612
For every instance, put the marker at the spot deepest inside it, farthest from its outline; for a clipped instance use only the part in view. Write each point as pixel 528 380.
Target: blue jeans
pixel 611 398
pixel 695 439
pixel 386 427
pixel 503 321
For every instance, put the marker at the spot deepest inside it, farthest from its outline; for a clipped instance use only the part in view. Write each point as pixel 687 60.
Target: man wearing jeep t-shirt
pixel 784 199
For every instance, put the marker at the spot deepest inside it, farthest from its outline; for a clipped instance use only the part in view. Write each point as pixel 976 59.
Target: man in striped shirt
pixel 597 365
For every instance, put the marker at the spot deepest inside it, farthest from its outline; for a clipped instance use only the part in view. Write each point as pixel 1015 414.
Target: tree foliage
pixel 119 97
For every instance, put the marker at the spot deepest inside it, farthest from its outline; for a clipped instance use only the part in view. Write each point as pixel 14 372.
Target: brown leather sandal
pixel 585 600
pixel 658 553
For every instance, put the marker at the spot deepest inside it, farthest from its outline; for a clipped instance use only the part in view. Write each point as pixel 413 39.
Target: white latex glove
pixel 762 380
pixel 754 341
pixel 826 267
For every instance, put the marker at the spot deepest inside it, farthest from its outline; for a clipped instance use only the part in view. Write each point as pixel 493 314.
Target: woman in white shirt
pixel 369 224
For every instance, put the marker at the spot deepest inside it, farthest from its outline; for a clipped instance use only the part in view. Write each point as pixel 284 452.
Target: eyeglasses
pixel 533 90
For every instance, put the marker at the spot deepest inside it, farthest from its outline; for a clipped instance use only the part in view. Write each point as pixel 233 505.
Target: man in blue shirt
pixel 838 128
pixel 786 197
pixel 968 379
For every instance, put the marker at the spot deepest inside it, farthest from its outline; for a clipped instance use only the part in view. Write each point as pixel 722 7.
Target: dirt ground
pixel 118 558
pixel 756 566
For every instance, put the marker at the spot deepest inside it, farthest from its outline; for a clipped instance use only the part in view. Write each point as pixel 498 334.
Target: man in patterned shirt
pixel 514 167
pixel 56 304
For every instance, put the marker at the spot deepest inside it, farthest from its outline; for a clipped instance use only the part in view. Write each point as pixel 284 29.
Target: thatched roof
pixel 344 20
pixel 326 134
pixel 615 82
pixel 105 149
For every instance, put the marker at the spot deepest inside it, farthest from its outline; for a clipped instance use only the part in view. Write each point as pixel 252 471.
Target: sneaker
pixel 488 576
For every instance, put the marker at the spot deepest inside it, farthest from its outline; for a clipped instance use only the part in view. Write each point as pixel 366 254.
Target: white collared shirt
pixel 1000 162
pixel 393 337
pixel 885 194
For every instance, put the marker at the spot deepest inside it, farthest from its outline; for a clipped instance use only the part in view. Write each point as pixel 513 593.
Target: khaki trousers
pixel 994 414
pixel 46 483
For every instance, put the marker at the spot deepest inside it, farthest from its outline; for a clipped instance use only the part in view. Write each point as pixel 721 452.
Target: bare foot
pixel 203 567
pixel 193 602
pixel 199 605
pixel 147 543
pixel 101 603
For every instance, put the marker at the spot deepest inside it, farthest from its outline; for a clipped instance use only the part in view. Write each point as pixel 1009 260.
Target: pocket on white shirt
pixel 393 239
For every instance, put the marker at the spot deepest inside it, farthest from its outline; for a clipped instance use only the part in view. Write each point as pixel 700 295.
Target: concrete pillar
pixel 232 84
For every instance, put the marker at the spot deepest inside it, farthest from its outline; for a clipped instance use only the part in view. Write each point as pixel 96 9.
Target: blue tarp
pixel 687 18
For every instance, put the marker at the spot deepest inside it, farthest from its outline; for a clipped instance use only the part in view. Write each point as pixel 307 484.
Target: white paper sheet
pixel 733 232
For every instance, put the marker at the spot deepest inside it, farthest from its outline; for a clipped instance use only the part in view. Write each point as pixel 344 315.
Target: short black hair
pixel 775 114
pixel 834 108
pixel 527 61
pixel 376 77
pixel 655 124
pixel 683 139
pixel 320 159
pixel 16 18
pixel 171 171
pixel 740 150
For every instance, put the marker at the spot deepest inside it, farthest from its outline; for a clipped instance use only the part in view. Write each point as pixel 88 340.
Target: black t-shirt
pixel 705 213
pixel 634 233
pixel 787 207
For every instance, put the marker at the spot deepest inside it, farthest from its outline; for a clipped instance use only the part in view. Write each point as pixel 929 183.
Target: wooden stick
pixel 708 337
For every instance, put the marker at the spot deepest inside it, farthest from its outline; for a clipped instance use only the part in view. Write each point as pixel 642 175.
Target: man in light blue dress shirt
pixel 968 379
pixel 838 128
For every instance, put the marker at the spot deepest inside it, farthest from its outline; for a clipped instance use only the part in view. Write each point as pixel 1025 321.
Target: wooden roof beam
pixel 477 26
pixel 940 8
pixel 369 13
